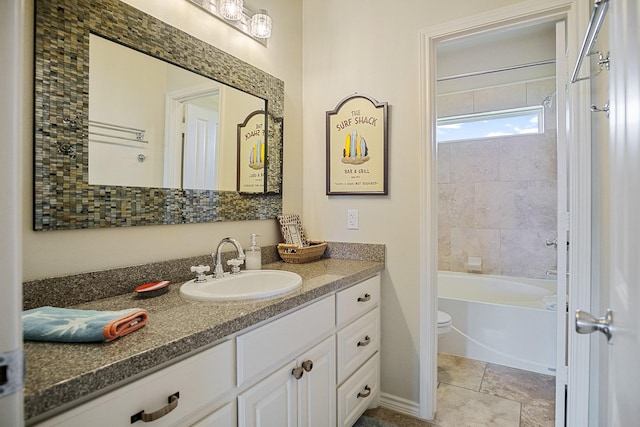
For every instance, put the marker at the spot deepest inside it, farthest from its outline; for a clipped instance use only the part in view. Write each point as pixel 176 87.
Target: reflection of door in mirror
pixel 199 146
pixel 192 135
pixel 140 132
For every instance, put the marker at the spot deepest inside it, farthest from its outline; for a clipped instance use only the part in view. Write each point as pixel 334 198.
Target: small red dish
pixel 153 289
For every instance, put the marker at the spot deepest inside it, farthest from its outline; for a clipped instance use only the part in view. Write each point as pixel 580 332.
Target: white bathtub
pixel 499 319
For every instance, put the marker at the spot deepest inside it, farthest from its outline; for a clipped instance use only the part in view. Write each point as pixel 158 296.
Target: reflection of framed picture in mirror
pixel 252 143
pixel 292 232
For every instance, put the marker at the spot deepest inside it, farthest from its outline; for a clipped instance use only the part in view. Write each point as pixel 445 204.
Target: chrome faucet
pixel 235 263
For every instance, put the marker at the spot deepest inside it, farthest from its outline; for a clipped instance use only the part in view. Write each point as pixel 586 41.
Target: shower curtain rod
pixel 496 70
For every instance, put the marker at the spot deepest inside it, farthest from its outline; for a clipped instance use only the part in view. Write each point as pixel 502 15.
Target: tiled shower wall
pixel 498 196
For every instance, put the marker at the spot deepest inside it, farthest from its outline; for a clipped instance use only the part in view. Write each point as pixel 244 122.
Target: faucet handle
pixel 200 270
pixel 235 264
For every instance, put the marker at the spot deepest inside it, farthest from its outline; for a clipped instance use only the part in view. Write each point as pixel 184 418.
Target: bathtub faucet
pixel 552 272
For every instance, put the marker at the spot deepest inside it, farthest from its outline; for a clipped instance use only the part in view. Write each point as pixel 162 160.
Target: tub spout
pixel 553 272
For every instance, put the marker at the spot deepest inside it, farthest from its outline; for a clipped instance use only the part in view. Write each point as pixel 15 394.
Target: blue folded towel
pixel 70 325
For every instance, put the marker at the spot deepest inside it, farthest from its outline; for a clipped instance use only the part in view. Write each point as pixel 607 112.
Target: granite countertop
pixel 60 375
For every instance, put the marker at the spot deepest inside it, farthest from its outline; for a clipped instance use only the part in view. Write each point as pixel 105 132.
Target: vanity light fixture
pixel 257 26
pixel 261 24
pixel 231 9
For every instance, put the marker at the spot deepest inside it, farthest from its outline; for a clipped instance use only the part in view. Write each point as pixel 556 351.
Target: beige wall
pixel 57 253
pixel 372 47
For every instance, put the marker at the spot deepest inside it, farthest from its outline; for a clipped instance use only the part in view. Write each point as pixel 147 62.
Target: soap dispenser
pixel 253 260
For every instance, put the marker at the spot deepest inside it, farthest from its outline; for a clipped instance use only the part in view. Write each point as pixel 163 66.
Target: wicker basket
pixel 299 255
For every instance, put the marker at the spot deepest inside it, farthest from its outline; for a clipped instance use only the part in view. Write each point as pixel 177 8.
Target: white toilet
pixel 444 322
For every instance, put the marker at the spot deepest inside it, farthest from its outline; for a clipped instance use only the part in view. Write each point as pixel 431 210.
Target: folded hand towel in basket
pixel 70 325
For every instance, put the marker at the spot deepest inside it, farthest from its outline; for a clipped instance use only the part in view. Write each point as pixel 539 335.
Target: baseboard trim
pixel 399 404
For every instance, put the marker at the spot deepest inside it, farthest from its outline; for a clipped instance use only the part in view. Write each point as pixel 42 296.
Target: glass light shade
pixel 231 9
pixel 261 24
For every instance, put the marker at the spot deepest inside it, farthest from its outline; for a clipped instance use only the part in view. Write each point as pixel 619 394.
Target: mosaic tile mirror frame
pixel 63 198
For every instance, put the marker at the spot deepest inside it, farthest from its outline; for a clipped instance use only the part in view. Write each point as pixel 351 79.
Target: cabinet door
pixel 223 417
pixel 271 402
pixel 317 387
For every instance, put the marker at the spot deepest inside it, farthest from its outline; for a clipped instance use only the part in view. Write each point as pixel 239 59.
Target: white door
pixel 12 29
pixel 562 224
pixel 615 399
pixel 271 402
pixel 199 155
pixel 317 387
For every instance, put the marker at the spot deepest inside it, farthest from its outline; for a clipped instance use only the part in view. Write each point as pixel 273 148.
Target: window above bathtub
pixel 492 124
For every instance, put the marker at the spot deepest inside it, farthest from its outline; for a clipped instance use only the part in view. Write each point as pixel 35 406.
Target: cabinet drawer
pixel 357 342
pixel 200 380
pixel 358 299
pixel 358 392
pixel 267 346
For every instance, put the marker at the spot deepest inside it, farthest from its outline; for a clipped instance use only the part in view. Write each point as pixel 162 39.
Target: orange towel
pixel 126 324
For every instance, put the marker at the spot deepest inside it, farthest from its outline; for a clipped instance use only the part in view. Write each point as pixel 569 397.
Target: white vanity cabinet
pixel 343 380
pixel 358 343
pixel 301 391
pixel 317 366
pixel 300 394
pixel 198 385
pixel 227 416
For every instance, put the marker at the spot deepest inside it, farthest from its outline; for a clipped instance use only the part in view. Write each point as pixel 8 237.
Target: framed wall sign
pixel 357 147
pixel 251 153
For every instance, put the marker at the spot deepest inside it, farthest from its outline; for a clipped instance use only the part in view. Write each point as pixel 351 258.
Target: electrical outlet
pixel 352 219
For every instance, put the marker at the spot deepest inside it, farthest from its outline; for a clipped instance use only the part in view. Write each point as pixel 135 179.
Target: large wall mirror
pixel 115 90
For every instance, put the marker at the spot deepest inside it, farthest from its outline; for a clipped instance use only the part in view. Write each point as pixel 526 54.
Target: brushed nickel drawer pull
pixel 367 392
pixel 297 372
pixel 366 341
pixel 152 416
pixel 307 365
pixel 365 298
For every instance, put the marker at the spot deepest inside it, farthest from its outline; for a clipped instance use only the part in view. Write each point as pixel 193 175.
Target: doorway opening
pixel 497 206
pixel 526 18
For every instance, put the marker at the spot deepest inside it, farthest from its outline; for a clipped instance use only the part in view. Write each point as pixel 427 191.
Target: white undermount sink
pixel 245 285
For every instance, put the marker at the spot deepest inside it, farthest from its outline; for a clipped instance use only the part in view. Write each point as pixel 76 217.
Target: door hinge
pixel 562 375
pixel 11 372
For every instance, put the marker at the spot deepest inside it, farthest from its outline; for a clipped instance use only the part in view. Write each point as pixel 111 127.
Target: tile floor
pixel 480 394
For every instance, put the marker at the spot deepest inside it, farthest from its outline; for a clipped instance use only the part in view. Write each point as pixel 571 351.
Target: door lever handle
pixel 586 323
